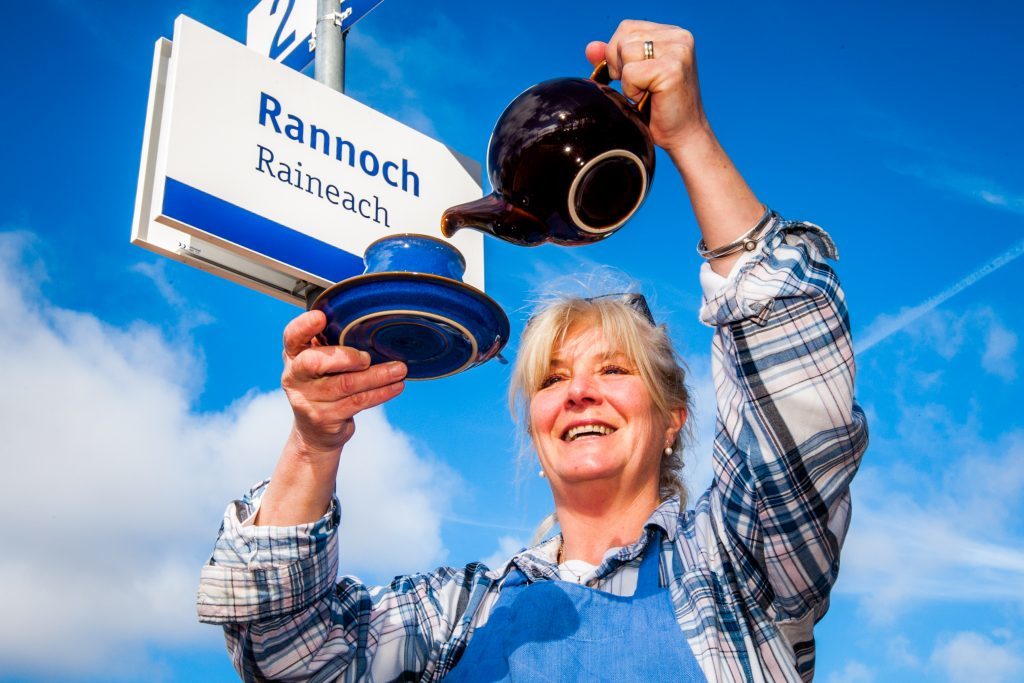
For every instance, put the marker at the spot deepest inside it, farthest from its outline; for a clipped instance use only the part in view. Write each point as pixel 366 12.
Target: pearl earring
pixel 668 450
pixel 541 474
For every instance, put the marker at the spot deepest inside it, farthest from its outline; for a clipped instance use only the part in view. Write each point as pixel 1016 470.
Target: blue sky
pixel 139 395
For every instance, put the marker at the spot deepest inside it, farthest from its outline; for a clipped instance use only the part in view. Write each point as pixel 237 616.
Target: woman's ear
pixel 677 418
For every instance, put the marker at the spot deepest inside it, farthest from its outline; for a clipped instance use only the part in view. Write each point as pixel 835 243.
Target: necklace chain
pixel 561 549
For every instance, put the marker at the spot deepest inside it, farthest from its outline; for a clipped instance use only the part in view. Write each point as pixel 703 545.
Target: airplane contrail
pixel 455 519
pixel 888 328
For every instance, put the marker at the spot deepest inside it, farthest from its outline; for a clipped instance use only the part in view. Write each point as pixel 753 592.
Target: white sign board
pixel 262 175
pixel 283 29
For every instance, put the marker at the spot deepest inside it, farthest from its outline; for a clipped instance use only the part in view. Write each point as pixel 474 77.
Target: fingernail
pixel 396 369
pixel 365 356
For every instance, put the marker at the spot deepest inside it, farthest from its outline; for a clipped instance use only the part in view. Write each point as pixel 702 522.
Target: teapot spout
pixel 495 216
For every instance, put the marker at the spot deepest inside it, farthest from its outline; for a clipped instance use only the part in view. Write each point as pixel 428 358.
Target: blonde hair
pixel 626 328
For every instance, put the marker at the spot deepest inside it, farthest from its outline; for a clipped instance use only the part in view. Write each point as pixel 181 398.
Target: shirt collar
pixel 666 518
pixel 541 561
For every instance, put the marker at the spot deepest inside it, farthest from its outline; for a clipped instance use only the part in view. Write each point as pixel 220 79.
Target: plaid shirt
pixel 749 568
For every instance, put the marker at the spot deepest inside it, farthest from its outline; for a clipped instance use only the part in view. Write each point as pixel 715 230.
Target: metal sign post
pixel 329 45
pixel 286 30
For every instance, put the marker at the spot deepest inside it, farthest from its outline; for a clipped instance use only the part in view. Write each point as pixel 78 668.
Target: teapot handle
pixel 601 76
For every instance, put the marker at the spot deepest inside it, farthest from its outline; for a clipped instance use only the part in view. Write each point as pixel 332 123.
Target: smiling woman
pixel 637 586
pixel 577 346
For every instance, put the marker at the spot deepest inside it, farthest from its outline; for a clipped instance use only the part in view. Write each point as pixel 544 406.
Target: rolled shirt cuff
pixel 264 572
pixel 761 277
pixel 711 282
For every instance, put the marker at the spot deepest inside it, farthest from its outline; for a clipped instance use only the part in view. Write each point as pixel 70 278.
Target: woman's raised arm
pixel 272 580
pixel 789 434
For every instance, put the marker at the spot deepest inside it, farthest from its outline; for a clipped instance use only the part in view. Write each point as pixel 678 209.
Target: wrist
pixel 693 147
pixel 308 461
pixel 303 483
pixel 315 442
pixel 313 457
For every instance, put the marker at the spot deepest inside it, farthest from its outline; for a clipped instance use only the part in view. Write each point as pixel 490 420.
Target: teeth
pixel 581 430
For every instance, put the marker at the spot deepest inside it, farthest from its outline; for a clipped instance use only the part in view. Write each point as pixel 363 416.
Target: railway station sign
pixel 260 174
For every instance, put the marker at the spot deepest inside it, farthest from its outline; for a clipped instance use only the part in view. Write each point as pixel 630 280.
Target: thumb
pixel 596 51
pixel 299 333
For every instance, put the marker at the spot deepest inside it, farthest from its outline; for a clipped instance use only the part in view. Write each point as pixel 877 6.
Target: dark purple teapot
pixel 570 160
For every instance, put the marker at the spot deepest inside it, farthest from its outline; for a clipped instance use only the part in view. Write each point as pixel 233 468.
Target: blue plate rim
pixel 473 341
pixel 501 318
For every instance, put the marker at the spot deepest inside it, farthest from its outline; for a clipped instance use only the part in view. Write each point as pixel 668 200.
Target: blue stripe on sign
pixel 301 56
pixel 256 233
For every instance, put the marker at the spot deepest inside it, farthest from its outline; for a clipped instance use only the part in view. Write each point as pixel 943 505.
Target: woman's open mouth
pixel 582 431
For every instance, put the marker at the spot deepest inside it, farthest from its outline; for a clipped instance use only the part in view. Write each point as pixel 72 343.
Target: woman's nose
pixel 582 389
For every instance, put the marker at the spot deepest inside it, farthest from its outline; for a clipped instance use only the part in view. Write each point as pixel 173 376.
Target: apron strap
pixel 648 580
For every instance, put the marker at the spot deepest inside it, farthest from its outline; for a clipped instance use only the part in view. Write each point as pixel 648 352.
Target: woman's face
pixel 593 418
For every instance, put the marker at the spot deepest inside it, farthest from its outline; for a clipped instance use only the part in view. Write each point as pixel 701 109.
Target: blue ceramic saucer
pixel 412 306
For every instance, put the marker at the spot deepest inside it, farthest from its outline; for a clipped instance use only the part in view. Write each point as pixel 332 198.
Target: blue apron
pixel 561 631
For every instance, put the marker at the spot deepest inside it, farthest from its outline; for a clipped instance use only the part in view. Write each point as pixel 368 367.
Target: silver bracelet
pixel 745 242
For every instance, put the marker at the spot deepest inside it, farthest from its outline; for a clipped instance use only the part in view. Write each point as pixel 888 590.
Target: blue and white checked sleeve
pixel 288 617
pixel 789 433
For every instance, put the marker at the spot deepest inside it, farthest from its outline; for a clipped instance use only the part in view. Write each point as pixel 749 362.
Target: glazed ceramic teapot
pixel 570 160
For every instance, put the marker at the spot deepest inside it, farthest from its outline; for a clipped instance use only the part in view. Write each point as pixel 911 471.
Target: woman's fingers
pixel 627 45
pixel 631 31
pixel 669 75
pixel 341 385
pixel 371 398
pixel 320 361
pixel 326 422
pixel 666 76
pixel 328 385
pixel 326 417
pixel 638 78
pixel 667 46
pixel 300 332
pixel 596 50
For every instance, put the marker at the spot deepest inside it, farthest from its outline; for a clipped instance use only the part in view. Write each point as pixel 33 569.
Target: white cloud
pixel 970 185
pixel 976 334
pixel 900 652
pixel 898 556
pixel 699 471
pixel 853 672
pixel 507 547
pixel 402 100
pixel 968 657
pixel 922 537
pixel 189 316
pixel 392 501
pixel 118 485
pixel 998 357
pixel 936 504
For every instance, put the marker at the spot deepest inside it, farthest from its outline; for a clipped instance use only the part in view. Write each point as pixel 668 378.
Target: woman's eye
pixel 549 380
pixel 615 370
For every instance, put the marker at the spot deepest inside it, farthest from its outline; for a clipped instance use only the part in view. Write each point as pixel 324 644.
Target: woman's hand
pixel 723 204
pixel 326 387
pixel 677 114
